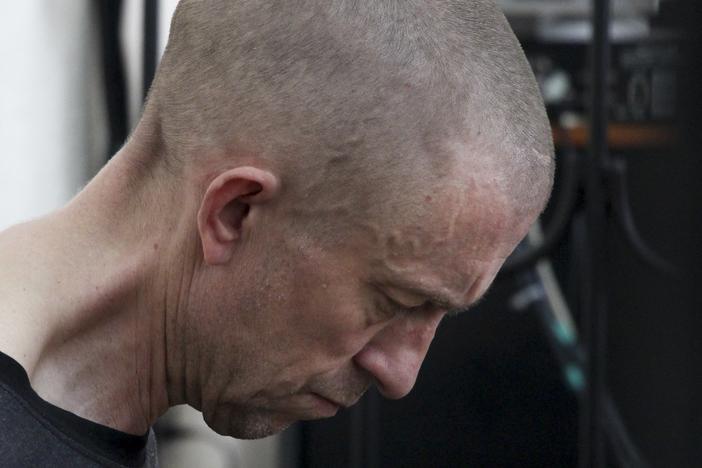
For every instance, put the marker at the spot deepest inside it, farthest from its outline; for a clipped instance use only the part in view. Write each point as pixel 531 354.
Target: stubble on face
pixel 297 323
pixel 267 414
pixel 292 329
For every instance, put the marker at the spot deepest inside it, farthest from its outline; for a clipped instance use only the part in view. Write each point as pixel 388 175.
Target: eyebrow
pixel 459 310
pixel 452 311
pixel 438 299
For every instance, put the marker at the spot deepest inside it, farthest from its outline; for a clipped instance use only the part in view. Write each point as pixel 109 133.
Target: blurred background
pixel 585 352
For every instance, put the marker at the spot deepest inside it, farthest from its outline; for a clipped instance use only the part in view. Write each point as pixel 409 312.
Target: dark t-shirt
pixel 35 433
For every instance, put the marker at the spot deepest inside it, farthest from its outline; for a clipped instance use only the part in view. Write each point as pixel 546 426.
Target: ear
pixel 226 205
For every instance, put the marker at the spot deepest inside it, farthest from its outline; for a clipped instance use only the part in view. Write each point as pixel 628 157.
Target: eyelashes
pixel 402 309
pixel 384 308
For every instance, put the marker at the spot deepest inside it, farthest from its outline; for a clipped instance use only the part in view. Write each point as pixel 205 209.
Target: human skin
pixel 150 290
pixel 322 321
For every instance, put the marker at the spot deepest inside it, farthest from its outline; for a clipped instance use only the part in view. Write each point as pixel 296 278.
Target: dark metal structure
pixel 150 43
pixel 110 16
pixel 594 323
pixel 598 233
pixel 114 74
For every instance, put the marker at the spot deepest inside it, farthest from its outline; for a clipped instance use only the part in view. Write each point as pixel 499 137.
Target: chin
pixel 258 432
pixel 246 424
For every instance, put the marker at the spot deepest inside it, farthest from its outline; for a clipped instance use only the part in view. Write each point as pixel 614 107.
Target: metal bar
pixel 109 12
pixel 596 306
pixel 150 43
pixel 372 430
pixel 356 438
pixel 575 8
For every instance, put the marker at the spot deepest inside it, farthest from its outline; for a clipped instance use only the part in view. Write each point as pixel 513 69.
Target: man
pixel 312 187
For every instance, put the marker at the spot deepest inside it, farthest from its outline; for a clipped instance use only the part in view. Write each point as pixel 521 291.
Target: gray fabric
pixel 151 451
pixel 36 434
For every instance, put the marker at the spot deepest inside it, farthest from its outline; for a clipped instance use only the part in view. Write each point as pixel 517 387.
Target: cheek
pixel 304 309
pixel 329 315
pixel 325 321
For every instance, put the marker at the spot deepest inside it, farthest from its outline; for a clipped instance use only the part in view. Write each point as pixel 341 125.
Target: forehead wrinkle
pixel 466 294
pixel 440 295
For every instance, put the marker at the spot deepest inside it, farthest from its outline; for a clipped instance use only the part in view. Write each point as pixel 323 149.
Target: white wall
pixel 52 135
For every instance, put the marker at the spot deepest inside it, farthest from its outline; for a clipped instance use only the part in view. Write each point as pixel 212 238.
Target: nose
pixel 395 354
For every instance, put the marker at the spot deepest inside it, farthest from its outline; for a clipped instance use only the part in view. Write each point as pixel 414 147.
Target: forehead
pixel 451 236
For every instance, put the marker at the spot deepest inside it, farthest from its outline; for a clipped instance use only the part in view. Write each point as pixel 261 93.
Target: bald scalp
pixel 342 95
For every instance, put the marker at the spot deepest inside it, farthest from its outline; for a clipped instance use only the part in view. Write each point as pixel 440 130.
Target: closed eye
pixel 401 308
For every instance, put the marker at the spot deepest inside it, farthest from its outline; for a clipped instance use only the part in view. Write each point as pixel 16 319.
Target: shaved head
pixel 323 180
pixel 313 186
pixel 343 95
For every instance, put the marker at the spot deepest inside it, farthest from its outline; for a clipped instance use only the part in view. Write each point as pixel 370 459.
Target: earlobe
pixel 225 206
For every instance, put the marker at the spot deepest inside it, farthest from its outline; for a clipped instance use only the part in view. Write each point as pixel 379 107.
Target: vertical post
pixel 150 43
pixel 595 323
pixel 110 14
pixel 364 451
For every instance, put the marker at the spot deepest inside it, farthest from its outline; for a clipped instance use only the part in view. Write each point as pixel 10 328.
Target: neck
pixel 83 298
